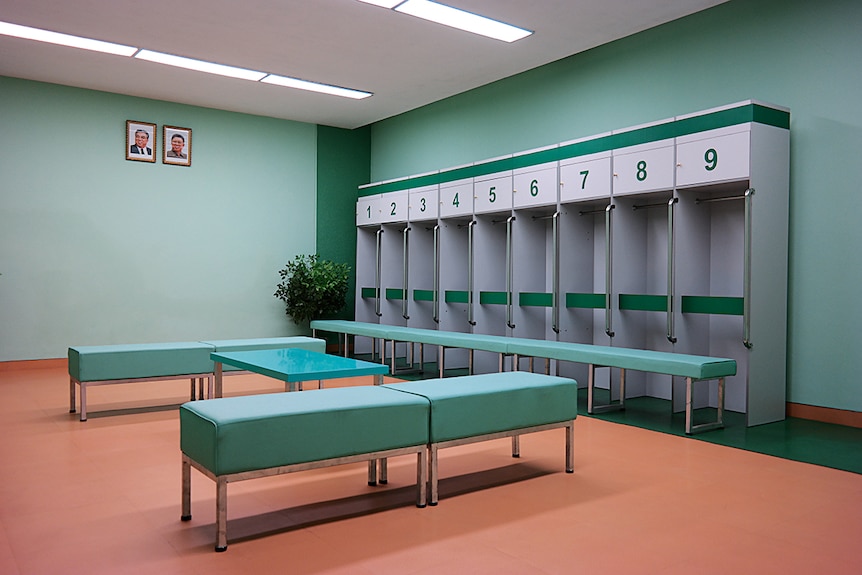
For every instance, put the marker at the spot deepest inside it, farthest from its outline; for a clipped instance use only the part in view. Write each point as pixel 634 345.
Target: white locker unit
pixel 424 203
pixel 585 178
pixel 492 193
pixel 644 168
pixel 536 185
pixel 368 236
pixel 421 308
pixel 669 236
pixel 456 198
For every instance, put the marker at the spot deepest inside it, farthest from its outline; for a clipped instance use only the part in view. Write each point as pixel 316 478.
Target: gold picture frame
pixel 140 141
pixel 176 146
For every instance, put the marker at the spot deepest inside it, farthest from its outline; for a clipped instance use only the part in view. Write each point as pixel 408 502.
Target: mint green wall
pixel 95 249
pixel 795 53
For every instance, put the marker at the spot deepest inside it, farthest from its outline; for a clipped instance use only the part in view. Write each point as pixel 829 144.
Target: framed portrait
pixel 177 146
pixel 140 141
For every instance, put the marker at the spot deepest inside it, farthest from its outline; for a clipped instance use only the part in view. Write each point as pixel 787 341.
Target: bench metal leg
pixel 221 514
pixel 83 386
pixel 72 396
pixel 570 447
pixel 372 472
pixel 591 390
pixel 516 446
pixel 690 428
pixel 432 473
pixel 383 473
pixel 421 479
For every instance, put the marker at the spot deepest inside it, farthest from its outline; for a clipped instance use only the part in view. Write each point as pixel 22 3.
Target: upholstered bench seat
pixel 481 407
pixel 111 364
pixel 237 438
pixel 132 363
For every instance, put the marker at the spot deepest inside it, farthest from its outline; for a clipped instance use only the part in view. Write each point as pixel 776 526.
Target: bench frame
pixel 221 481
pixel 433 475
pixel 620 405
pixel 196 391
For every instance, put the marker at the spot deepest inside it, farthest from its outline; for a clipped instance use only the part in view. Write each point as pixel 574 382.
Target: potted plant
pixel 312 287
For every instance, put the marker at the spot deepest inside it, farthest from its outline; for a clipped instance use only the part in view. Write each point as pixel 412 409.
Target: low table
pixel 294 366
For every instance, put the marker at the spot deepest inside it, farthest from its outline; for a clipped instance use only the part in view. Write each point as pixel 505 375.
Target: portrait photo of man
pixel 177 147
pixel 178 142
pixel 140 141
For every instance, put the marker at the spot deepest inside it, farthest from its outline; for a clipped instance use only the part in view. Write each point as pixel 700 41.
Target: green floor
pixel 825 444
pixel 804 440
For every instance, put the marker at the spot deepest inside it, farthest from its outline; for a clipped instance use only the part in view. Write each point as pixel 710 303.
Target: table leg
pixel 218 378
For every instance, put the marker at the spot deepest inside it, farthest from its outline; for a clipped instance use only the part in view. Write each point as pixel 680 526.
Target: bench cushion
pixel 297 342
pixel 494 402
pixel 107 362
pixel 237 434
pixel 694 366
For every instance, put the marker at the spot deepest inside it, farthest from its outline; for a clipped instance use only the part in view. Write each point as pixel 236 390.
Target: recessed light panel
pixel 29 33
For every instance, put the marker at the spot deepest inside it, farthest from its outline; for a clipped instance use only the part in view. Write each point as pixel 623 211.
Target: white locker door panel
pixel 393 207
pixel 644 168
pixel 493 193
pixel 585 178
pixel 456 198
pixel 368 210
pixel 535 186
pixel 712 157
pixel 424 204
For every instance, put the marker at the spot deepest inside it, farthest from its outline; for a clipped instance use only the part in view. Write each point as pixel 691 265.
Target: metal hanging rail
pixel 671 330
pixel 746 281
pixel 470 227
pixel 436 295
pixel 609 328
pixel 377 277
pixel 509 273
pixel 406 264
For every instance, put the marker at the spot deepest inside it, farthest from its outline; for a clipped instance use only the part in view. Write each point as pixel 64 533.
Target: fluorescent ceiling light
pixel 315 87
pixel 462 20
pixel 455 18
pixel 384 3
pixel 200 65
pixel 28 33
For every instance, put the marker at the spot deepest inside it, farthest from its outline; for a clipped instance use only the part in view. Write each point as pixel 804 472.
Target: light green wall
pixel 95 249
pixel 795 53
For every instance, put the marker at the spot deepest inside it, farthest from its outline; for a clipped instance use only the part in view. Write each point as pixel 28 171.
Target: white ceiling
pixel 406 62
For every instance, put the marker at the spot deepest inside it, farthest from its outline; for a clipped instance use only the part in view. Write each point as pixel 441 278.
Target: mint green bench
pixel 694 368
pixel 112 364
pixel 238 438
pixel 132 363
pixel 475 408
pixel 393 333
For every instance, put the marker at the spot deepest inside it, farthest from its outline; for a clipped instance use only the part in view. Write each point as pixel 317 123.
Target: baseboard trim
pixel 825 414
pixel 60 362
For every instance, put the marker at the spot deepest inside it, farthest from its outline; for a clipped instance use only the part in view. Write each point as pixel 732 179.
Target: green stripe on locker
pixel 394 293
pixel 537 299
pixel 493 298
pixel 369 292
pixel 586 300
pixel 713 305
pixel 456 296
pixel 643 302
pixel 423 295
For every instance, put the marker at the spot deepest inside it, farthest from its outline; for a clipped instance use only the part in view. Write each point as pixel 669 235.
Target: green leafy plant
pixel 312 287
